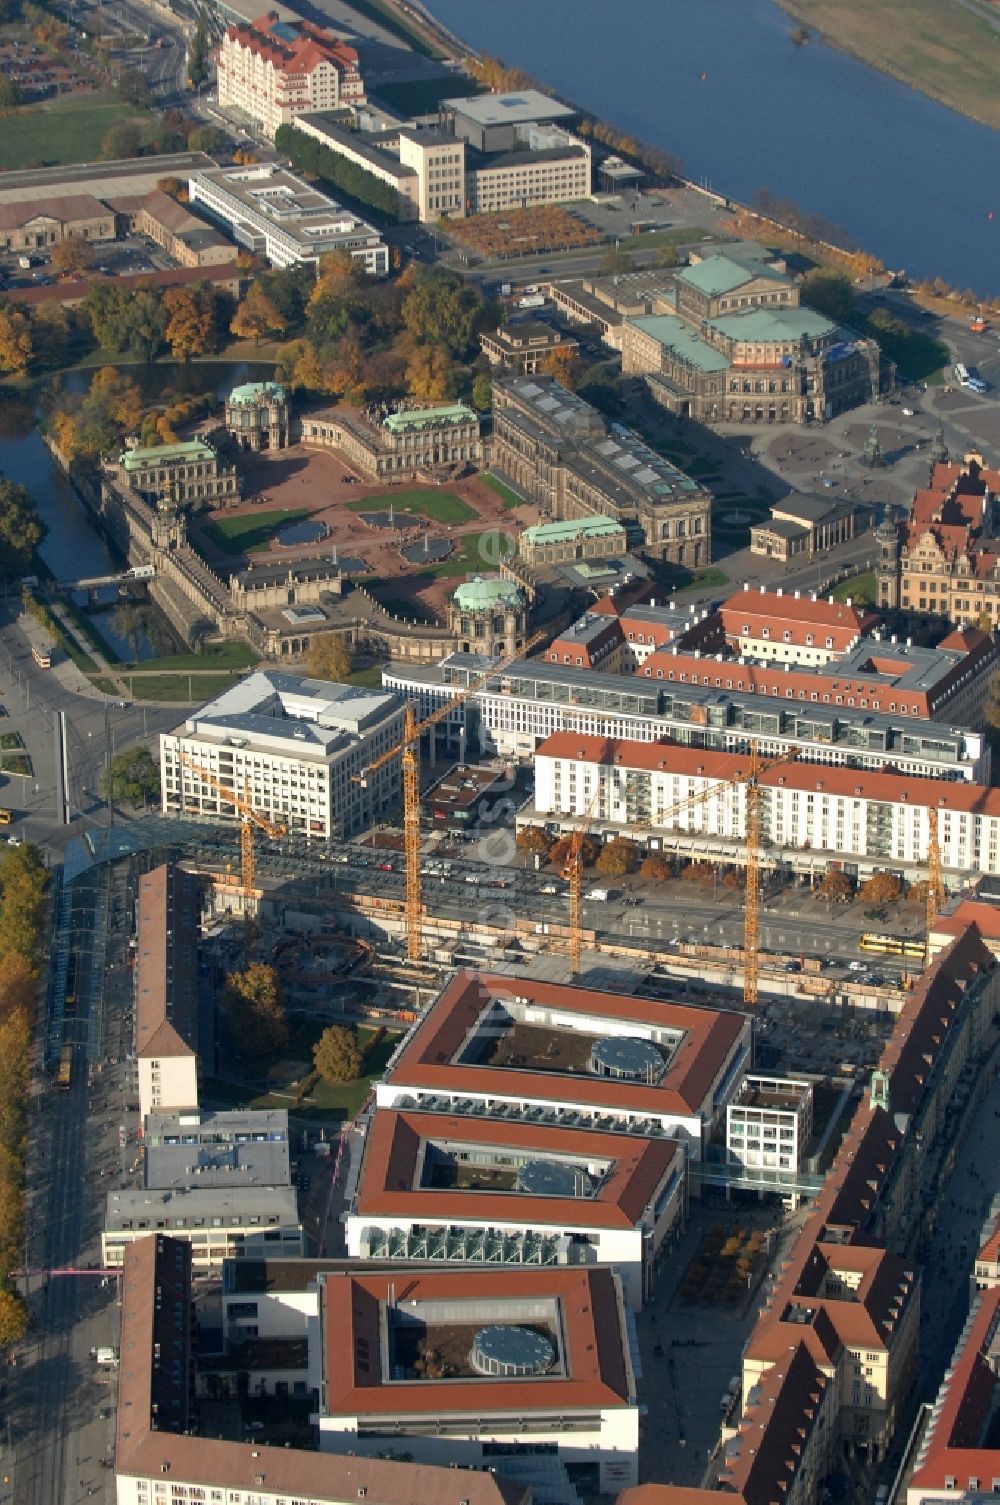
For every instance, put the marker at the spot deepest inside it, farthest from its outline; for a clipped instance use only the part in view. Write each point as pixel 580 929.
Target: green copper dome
pixel 488 594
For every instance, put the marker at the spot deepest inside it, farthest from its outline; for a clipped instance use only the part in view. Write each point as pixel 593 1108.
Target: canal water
pixel 73 548
pixel 720 83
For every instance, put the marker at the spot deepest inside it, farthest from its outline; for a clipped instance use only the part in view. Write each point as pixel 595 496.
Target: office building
pixel 494 122
pixel 295 747
pixel 546 165
pixel 486 1191
pixel 160 1455
pixel 219 1181
pixel 517 710
pixel 168 914
pixel 270 211
pixel 459 1366
pixel 489 1042
pixel 274 70
pixel 769 1123
pixel 559 452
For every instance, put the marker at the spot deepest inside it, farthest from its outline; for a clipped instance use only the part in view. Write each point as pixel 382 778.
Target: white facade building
pixel 272 212
pixel 251 1222
pixel 530 701
pixel 808 812
pixel 550 167
pixel 433 1188
pixel 274 70
pixel 769 1123
pixel 298 746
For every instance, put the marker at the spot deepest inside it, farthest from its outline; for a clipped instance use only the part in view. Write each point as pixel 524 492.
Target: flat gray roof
pixel 254 1208
pixel 217 1150
pixel 517 107
pixel 305 715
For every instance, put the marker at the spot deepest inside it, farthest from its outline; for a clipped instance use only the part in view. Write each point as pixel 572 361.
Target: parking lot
pixel 134 253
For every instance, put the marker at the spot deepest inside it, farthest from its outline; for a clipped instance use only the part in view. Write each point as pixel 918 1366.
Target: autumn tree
pixel 10 93
pixel 121 141
pixel 337 1055
pixel 533 839
pixel 71 255
pixel 13 1319
pixel 881 888
pixel 917 892
pixel 21 529
pixel 701 873
pixel 617 858
pixel 23 880
pixel 51 330
pixel 329 657
pixel 615 263
pixel 564 366
pixel 15 341
pixel 257 315
pixel 430 373
pixel 482 393
pixel 207 138
pixel 561 850
pixel 190 326
pixel 829 293
pixel 656 867
pixel 254 1004
pixel 442 309
pixel 836 886
pixel 133 87
pixel 133 777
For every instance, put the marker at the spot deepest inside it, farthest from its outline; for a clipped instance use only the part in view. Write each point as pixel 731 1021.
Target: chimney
pixel 780 592
pixel 850 602
pixel 746 585
pixel 798 595
pixel 652 600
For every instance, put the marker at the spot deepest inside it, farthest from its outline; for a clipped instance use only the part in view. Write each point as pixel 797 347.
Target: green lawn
pixel 177 687
pixel 476 553
pixel 439 506
pixel 681 235
pixel 509 498
pixel 69 129
pixel 223 656
pixel 251 532
pixel 336 1101
pixel 860 588
pixel 370 677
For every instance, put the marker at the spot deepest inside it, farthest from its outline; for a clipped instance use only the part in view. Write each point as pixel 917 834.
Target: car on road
pixel 15 841
pixel 856 967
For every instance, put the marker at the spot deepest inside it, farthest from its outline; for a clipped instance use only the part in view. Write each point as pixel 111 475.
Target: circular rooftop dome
pixel 629 1059
pixel 488 594
pixel 553 1178
pixel 511 1351
pixel 258 391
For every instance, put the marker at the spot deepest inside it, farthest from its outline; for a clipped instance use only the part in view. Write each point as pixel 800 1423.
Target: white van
pixel 962 374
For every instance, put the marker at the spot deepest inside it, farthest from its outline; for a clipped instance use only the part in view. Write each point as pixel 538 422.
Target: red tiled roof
pixel 355 1385
pixel 953 1446
pixel 671 758
pixel 426 1060
pixel 69 293
pixel 392 1155
pixel 985 917
pixel 778 612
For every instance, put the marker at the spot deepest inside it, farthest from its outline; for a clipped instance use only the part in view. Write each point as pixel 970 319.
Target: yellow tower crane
pixel 572 869
pixel 408 749
pixel 250 819
pixel 935 886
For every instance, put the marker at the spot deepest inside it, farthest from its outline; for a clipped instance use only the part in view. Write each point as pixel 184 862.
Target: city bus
pixel 64 1073
pixel 892 945
pixel 42 657
pixel 6 816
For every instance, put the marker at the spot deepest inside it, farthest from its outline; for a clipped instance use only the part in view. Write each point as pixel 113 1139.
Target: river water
pixel 73 548
pixel 911 181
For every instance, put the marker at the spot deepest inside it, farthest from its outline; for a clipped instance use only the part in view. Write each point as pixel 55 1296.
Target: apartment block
pixel 274 70
pixel 168 914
